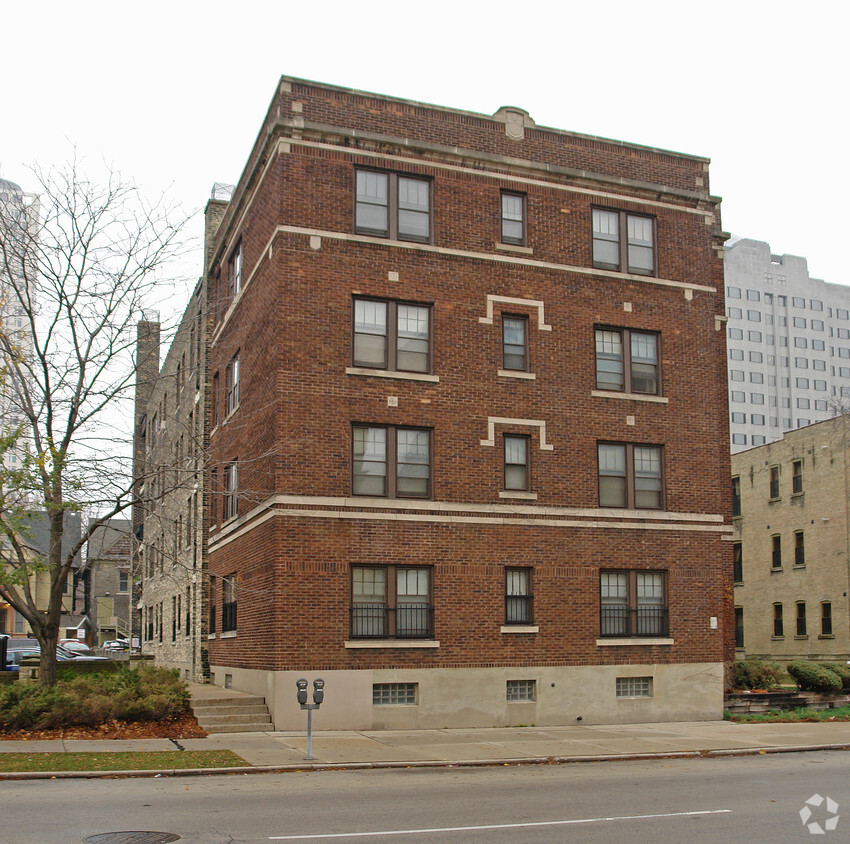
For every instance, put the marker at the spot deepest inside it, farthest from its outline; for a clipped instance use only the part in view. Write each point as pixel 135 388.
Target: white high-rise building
pixel 788 344
pixel 19 217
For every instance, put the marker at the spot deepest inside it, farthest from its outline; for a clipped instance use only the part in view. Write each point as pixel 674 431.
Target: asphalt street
pixel 750 798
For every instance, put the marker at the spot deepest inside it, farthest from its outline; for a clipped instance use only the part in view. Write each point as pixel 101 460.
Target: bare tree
pixel 74 282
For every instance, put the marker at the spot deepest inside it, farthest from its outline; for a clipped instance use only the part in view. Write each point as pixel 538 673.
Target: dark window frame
pixel 773 482
pixel 624 619
pixel 379 619
pixel 737 562
pixel 626 359
pixel 526 487
pixel 392 232
pixel 799 548
pixel 232 379
pixel 778 622
pixel 796 477
pixel 391 461
pixel 623 265
pixel 801 626
pixel 776 551
pixel 391 335
pixel 739 627
pixel 736 497
pixel 228 603
pixel 519 606
pixel 523 320
pixel 826 618
pixel 231 491
pixel 235 270
pixel 512 240
pixel 630 475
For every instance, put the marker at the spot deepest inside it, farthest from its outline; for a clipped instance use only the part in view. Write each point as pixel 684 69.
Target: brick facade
pixel 287 558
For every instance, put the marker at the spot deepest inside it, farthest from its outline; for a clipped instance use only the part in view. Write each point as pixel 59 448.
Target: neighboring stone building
pixel 168 516
pixel 789 344
pixel 792 577
pixel 468 447
pixel 109 567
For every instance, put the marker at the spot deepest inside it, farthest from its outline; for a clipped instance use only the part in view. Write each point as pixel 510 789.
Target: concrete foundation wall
pixel 477 697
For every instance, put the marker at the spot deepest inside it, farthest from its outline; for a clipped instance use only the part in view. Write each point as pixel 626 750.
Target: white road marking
pixel 492 826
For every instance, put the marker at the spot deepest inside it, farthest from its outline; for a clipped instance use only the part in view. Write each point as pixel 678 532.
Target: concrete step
pixel 219 720
pixel 228 712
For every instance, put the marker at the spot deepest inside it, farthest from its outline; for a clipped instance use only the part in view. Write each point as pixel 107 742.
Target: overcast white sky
pixel 173 93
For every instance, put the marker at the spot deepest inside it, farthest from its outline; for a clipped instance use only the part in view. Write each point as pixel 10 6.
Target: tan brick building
pixel 168 516
pixel 792 576
pixel 468 421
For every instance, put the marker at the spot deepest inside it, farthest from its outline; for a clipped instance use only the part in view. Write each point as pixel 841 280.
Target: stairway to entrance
pixel 221 710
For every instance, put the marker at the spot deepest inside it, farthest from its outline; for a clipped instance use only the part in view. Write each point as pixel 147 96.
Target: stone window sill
pixel 230 634
pixel 525 496
pixel 615 394
pixel 516 373
pixel 826 636
pixel 392 643
pixel 520 628
pixel 514 247
pixel 636 640
pixel 392 373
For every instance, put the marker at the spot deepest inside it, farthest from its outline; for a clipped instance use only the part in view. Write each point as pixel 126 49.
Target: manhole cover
pixel 132 838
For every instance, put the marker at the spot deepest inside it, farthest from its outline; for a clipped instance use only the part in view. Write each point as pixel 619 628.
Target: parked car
pixel 17 652
pixel 116 645
pixel 77 646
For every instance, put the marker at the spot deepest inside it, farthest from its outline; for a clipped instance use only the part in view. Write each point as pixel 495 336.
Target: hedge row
pixel 141 694
pixel 809 676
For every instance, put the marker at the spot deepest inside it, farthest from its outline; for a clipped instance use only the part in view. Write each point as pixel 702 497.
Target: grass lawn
pixel 840 713
pixel 164 760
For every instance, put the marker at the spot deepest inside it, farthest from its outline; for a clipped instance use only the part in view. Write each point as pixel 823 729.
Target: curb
pixel 460 763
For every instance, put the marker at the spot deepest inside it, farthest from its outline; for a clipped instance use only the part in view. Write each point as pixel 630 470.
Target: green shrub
pixel 144 694
pixel 811 677
pixel 753 673
pixel 842 670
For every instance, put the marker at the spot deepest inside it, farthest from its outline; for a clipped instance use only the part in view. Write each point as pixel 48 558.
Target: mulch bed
pixel 183 727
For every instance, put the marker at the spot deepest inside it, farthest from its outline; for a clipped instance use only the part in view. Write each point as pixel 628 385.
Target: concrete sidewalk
pixel 268 751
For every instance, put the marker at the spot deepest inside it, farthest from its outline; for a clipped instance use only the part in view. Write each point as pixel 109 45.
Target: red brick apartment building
pixel 468 435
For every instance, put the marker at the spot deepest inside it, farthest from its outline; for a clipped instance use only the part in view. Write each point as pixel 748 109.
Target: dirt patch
pixel 183 727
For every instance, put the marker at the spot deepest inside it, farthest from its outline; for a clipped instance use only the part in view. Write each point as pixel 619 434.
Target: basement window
pixel 634 687
pixel 394 694
pixel 521 690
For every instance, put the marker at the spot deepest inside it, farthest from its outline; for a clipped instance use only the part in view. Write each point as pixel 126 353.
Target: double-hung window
pixel 627 361
pixel 513 218
pixel 517 474
pixel 228 606
pixel 392 205
pixel 231 488
pixel 632 603
pixel 630 476
pixel 515 342
pixel 392 462
pixel 235 271
pixel 232 396
pixel 392 335
pixel 391 602
pixel 623 242
pixel 518 596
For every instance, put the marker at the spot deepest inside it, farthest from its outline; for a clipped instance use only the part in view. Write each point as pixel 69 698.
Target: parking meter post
pixel 318 697
pixel 309 755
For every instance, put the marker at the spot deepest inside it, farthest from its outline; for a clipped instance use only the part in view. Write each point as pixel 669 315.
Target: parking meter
pixel 318 691
pixel 302 690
